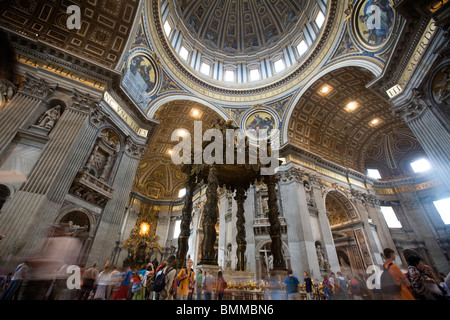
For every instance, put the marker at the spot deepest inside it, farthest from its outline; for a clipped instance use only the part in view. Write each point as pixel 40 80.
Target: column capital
pixel 133 149
pixel 291 175
pixel 83 101
pixel 412 106
pixel 37 87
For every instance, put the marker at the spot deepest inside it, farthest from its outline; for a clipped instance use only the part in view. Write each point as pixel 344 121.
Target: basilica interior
pixel 354 95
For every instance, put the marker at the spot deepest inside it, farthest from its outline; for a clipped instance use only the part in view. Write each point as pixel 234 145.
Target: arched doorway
pixel 5 194
pixel 348 233
pixel 81 224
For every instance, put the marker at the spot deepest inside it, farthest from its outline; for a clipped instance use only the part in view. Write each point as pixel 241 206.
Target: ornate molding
pixel 413 108
pixel 133 149
pixel 83 102
pixel 37 88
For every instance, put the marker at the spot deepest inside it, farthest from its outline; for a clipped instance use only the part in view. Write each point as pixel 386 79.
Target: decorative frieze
pixel 37 88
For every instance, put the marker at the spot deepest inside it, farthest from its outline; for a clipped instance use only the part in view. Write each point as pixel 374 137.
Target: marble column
pixel 240 226
pixel 422 227
pixel 275 226
pixel 324 224
pixel 35 206
pixel 299 232
pixel 186 218
pixel 432 131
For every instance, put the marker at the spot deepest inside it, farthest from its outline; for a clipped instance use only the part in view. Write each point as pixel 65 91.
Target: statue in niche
pixel 49 118
pixel 270 262
pixel 228 257
pixel 323 262
pixel 309 193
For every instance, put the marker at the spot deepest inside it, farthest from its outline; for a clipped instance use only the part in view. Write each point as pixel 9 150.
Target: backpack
pixel 387 283
pixel 160 281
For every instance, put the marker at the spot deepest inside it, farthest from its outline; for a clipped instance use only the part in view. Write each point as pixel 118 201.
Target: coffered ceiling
pixel 321 125
pixel 105 25
pixel 157 176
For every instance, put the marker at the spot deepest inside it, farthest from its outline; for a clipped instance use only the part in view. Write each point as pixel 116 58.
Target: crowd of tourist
pixel 165 282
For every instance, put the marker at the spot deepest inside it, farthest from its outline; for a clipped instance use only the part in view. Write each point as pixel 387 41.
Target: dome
pixel 229 43
pixel 236 28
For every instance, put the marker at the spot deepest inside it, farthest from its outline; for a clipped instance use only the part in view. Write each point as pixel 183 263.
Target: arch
pixel 5 194
pixel 72 210
pixel 349 208
pixel 158 103
pixel 368 65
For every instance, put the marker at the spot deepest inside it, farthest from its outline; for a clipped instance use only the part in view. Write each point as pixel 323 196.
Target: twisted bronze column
pixel 210 219
pixel 240 225
pixel 186 218
pixel 275 226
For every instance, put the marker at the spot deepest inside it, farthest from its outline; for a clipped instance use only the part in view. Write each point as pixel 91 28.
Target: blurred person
pixel 208 285
pixel 142 274
pixel 354 287
pixel 171 284
pixel 13 289
pixel 60 249
pixel 198 286
pixel 397 275
pixel 424 287
pixel 149 282
pixel 159 272
pixel 6 280
pixel 122 292
pixel 342 284
pixel 136 286
pixel 328 287
pixel 89 279
pixel 114 284
pixel 221 285
pixel 186 278
pixel 102 284
pixel 308 285
pixel 292 283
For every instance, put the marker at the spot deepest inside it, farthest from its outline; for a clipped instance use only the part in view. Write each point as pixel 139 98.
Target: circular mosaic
pixel 260 124
pixel 373 22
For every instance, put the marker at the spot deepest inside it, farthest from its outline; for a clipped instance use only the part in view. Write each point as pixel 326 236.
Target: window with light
pixel 390 217
pixel 443 207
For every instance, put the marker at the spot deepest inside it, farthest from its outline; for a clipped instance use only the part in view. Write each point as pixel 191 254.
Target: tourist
pixel 149 282
pixel 292 283
pixel 186 278
pixel 398 277
pixel 13 289
pixel 342 287
pixel 354 287
pixel 199 284
pixel 424 287
pixel 122 292
pixel 102 284
pixel 208 285
pixel 308 285
pixel 328 287
pixel 90 277
pixel 221 286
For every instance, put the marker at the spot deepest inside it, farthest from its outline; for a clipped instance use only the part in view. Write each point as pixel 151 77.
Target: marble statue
pixel 50 117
